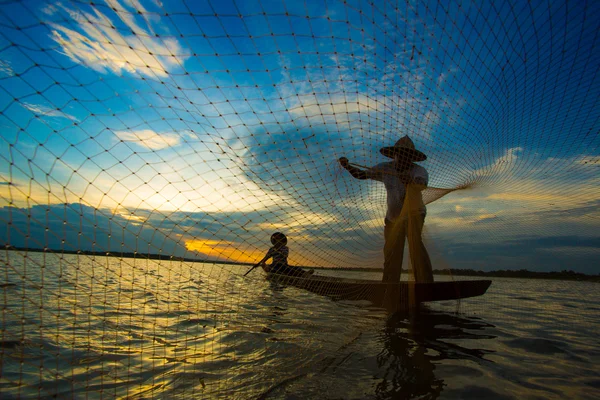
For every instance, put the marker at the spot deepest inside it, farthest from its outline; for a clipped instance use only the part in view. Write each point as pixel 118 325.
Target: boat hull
pixel 403 293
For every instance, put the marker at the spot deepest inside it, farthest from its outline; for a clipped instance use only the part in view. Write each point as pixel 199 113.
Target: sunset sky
pixel 200 128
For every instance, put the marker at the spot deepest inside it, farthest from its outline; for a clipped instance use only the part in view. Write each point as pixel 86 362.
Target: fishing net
pixel 149 151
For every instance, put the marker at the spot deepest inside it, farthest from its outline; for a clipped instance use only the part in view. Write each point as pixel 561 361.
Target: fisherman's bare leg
pixel 393 250
pixel 419 256
pixel 392 267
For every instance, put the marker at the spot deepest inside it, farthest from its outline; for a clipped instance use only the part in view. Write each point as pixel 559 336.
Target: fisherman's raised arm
pixel 357 172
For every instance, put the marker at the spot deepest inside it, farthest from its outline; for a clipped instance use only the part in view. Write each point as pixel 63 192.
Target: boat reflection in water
pixel 413 345
pixel 421 353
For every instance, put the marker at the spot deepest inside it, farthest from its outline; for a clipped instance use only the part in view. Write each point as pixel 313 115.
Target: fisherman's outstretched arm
pixel 263 263
pixel 265 258
pixel 355 172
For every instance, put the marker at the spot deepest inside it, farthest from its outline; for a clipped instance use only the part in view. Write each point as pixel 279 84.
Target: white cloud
pixel 503 165
pixel 47 111
pixel 96 43
pixel 441 78
pixel 150 139
pixel 588 160
pixel 401 92
pixel 524 202
pixel 6 69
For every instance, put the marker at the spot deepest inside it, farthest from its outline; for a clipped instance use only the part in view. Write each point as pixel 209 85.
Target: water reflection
pixel 218 337
pixel 414 343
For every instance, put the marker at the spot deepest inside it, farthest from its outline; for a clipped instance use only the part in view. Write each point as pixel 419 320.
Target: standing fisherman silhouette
pixel 404 180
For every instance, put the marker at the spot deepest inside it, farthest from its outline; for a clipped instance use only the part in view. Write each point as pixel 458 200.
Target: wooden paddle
pixel 251 269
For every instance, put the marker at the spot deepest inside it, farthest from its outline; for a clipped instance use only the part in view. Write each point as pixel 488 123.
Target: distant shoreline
pixel 522 273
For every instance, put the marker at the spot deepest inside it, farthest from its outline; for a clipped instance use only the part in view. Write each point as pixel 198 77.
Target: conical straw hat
pixel 406 147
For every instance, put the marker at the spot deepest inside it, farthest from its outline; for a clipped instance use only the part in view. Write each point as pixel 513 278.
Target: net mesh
pixel 148 149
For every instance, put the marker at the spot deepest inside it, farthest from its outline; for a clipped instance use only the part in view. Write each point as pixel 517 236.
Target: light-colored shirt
pixel 396 190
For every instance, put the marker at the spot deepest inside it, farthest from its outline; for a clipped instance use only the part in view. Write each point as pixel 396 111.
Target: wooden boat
pixel 402 293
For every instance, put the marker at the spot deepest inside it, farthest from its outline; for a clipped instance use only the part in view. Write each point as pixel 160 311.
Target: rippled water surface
pixel 104 327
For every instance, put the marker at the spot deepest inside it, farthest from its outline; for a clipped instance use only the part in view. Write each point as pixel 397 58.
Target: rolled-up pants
pixel 395 232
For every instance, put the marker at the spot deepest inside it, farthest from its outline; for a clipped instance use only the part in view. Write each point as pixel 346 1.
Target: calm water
pixel 83 327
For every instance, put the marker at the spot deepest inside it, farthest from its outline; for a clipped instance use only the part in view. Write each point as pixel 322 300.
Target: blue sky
pixel 199 128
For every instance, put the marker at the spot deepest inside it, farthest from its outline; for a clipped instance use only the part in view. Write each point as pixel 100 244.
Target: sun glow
pixel 223 250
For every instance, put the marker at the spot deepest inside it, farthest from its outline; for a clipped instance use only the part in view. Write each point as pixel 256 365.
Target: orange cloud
pixel 222 250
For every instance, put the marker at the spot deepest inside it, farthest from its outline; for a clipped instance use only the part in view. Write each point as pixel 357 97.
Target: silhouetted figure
pixel 279 253
pixel 404 180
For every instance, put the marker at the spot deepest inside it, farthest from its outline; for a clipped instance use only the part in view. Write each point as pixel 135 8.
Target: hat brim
pixel 414 155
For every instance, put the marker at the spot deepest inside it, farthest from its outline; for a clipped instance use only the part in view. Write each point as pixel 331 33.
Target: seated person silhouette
pixel 279 253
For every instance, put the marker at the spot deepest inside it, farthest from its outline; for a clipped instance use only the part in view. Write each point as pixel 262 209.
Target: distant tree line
pixel 148 256
pixel 521 273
